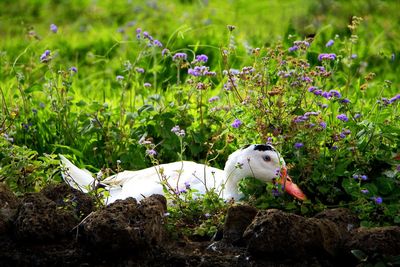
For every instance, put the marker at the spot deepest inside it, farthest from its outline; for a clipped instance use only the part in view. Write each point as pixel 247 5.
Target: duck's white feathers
pixel 259 161
pixel 178 175
pixel 80 179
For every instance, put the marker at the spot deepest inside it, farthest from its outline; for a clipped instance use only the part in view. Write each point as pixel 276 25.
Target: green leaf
pixel 34 88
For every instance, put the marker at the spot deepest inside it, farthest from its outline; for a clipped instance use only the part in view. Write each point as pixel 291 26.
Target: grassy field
pixel 318 79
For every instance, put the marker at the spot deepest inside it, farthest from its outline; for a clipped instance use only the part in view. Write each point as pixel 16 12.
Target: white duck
pixel 262 162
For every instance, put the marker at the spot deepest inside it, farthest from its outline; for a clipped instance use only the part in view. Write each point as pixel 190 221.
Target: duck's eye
pixel 267 158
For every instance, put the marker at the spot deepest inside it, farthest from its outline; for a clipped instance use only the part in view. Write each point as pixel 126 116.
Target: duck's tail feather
pixel 77 178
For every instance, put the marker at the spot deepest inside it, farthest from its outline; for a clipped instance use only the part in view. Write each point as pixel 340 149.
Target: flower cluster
pixel 344 133
pixel 325 94
pixel 392 100
pixel 326 56
pixel 330 43
pixel 321 71
pixel 53 28
pixel 231 83
pixel 45 57
pixel 299 45
pixel 342 117
pixel 201 58
pixel 151 152
pixel 178 131
pixel 148 37
pixel 305 117
pixel 298 145
pixel 213 99
pixel 179 57
pixel 201 71
pixel 377 200
pixel 73 69
pixel 360 177
pixel 139 70
pixel 236 123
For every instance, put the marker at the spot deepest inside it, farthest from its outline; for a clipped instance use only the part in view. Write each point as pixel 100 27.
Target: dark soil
pixel 46 229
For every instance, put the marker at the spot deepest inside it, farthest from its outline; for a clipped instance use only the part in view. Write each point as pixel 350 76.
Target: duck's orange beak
pixel 290 187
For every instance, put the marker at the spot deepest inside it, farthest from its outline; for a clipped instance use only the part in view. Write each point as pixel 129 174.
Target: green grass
pixel 47 109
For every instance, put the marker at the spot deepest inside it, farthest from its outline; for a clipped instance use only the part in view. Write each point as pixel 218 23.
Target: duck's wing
pixel 77 178
pixel 178 175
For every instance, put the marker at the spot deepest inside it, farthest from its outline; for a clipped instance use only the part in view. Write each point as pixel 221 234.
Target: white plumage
pixel 262 162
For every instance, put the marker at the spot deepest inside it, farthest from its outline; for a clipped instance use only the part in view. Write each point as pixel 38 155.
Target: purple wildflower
pixel 364 191
pixel 364 177
pixel 139 70
pixel 342 135
pixel 53 28
pixel 202 58
pixel 157 43
pixel 73 69
pixel 293 48
pixel 45 56
pixel 324 56
pixel 179 56
pixel 213 99
pixel 318 92
pixel 119 78
pixel 138 30
pixel 178 131
pixel 322 124
pixel 394 99
pixel 345 101
pixel 312 88
pixel 342 117
pixel 147 84
pixel 335 93
pixel 164 52
pixel 151 152
pixel 187 185
pixel 353 56
pixel 236 123
pixel 346 131
pixel 378 200
pixel 147 36
pixel 326 95
pixel 330 43
pixel 298 145
pixel 357 115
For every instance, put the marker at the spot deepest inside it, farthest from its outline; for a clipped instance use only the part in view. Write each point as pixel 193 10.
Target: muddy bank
pixel 45 228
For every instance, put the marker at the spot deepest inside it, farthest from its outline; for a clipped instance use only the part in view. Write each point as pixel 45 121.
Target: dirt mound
pixel 59 226
pixel 126 226
pixel 8 208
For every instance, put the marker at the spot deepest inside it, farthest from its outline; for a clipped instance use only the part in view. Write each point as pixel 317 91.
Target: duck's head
pixel 262 162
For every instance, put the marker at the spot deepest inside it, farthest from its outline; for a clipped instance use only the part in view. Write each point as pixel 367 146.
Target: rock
pixel 69 198
pixel 8 208
pixel 126 226
pixel 276 234
pixel 343 217
pixel 39 219
pixel 380 240
pixel 238 218
pixel 7 198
